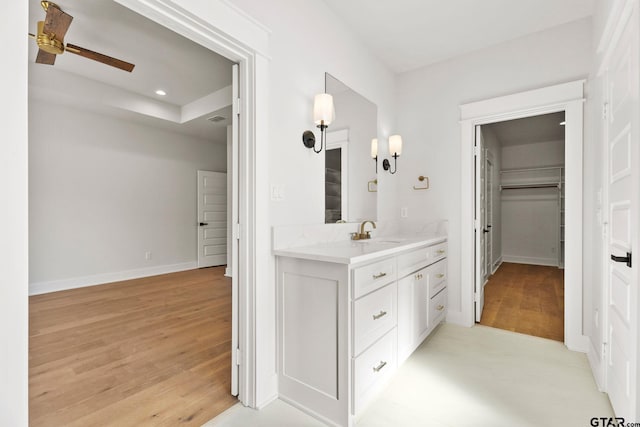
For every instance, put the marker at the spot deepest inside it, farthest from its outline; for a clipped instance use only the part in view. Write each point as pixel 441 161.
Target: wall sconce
pixel 374 151
pixel 323 114
pixel 395 149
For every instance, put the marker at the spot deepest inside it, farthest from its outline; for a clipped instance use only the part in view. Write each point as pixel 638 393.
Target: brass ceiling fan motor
pixel 48 42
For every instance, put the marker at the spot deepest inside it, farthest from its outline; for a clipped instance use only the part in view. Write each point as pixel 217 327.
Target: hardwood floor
pixel 154 351
pixel 526 298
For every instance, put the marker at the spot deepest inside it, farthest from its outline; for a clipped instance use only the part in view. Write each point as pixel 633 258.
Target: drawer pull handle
pixel 379 315
pixel 379 275
pixel 440 275
pixel 380 366
pixel 440 251
pixel 440 307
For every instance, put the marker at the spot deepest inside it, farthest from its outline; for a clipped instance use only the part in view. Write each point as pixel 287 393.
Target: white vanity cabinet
pixel 421 296
pixel 346 323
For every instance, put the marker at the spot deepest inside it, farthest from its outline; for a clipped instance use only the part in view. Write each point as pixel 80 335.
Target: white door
pixel 488 224
pixel 233 269
pixel 480 215
pixel 212 218
pixel 622 189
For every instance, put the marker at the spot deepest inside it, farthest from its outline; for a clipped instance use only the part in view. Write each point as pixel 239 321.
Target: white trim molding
pixel 38 288
pixel 567 97
pixel 551 262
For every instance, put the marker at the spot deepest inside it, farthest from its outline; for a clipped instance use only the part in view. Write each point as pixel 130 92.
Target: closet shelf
pixel 524 178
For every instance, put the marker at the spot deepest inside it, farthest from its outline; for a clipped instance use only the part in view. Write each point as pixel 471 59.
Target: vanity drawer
pixel 370 277
pixel 437 277
pixel 374 315
pixel 413 261
pixel 372 367
pixel 438 251
pixel 437 307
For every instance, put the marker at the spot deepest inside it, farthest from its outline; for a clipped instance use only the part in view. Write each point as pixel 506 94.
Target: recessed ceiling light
pixel 161 92
pixel 563 123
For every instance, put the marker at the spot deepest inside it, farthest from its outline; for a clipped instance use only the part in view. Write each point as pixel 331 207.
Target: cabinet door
pixel 420 303
pixel 405 315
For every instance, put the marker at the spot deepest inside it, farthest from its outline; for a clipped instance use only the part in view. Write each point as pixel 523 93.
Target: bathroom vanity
pixel 350 313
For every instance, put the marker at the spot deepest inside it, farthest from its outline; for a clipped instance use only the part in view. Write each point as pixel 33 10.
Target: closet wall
pixel 532 217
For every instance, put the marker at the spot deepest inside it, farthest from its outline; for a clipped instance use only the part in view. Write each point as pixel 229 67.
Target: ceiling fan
pixel 50 40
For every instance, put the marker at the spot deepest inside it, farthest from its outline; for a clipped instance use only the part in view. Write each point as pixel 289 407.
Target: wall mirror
pixel 350 171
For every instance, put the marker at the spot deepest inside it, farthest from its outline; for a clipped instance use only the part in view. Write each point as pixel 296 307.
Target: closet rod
pixel 516 186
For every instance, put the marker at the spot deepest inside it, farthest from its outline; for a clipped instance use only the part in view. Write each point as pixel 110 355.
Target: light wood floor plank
pixel 526 298
pixel 153 351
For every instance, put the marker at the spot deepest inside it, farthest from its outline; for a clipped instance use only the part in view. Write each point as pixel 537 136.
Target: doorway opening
pixel 567 98
pixel 86 214
pixel 519 189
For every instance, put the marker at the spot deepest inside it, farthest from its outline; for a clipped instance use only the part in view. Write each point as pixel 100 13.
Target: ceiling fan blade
pixel 57 22
pixel 126 66
pixel 45 57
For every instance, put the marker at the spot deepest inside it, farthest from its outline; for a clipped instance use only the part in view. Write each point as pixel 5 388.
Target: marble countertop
pixel 354 252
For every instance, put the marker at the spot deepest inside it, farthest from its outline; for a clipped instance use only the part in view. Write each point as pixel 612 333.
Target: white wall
pixel 103 191
pixel 13 219
pixel 297 66
pixel 537 154
pixel 493 145
pixel 428 114
pixel 530 218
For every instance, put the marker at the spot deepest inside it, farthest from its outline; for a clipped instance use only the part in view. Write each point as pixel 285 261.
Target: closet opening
pixel 519 212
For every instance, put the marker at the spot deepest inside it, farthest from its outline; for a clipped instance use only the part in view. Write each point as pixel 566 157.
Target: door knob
pixel 203 223
pixel 625 259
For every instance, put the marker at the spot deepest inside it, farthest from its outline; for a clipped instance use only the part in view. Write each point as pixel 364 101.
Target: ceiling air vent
pixel 216 119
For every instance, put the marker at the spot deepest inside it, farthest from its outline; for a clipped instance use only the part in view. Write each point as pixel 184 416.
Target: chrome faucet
pixel 363 235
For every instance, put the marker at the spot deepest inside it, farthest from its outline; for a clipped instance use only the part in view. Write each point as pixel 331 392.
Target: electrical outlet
pixel 404 212
pixel 147 255
pixel 277 193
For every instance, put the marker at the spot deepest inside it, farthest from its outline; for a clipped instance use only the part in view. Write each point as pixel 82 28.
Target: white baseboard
pixel 496 265
pixel 582 344
pixel 227 272
pixel 553 262
pixel 595 363
pixel 38 288
pixel 456 318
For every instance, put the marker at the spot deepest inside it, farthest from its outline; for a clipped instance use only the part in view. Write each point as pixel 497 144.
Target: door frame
pixel 567 97
pixel 480 217
pixel 229 32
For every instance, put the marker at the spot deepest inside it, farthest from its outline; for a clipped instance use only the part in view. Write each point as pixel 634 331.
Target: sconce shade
pixel 374 148
pixel 323 109
pixel 395 145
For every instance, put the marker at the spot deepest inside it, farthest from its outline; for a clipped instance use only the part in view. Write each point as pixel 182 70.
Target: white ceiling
pixel 409 34
pixel 529 130
pixel 162 58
